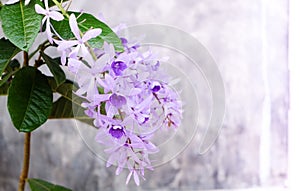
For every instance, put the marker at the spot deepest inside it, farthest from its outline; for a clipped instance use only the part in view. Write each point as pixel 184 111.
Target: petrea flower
pixel 116 131
pixel 49 14
pixel 79 43
pixel 118 67
pixel 155 86
pixel 117 100
pixel 127 95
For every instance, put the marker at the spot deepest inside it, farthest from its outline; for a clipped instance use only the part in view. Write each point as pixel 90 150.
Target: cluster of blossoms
pixel 126 94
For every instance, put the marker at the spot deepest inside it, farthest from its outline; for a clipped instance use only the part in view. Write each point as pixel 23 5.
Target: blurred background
pixel 249 40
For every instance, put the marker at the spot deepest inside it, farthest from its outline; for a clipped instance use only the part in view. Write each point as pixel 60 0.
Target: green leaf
pixel 51 4
pixel 10 70
pixel 4 89
pixel 53 65
pixel 7 77
pixel 66 90
pixel 7 52
pixel 21 24
pixel 63 108
pixel 42 185
pixel 29 99
pixel 68 105
pixel 86 22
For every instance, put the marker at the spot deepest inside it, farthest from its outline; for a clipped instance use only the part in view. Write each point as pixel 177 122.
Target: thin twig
pixel 24 173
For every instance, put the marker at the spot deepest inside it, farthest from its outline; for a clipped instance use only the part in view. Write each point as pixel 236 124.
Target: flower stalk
pixel 60 7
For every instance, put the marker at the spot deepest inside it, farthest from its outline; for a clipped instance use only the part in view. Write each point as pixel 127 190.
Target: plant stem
pixel 26 59
pixel 26 160
pixel 26 157
pixel 41 46
pixel 63 11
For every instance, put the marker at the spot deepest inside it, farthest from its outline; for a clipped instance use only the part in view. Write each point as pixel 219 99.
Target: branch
pixel 24 173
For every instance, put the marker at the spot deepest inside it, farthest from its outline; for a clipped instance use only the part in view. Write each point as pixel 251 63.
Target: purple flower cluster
pixel 127 94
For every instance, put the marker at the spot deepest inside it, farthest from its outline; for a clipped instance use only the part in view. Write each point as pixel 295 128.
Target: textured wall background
pixel 248 39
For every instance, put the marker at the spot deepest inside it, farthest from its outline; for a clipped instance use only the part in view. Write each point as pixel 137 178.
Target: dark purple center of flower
pixel 124 41
pixel 156 66
pixel 116 131
pixel 155 86
pixel 117 100
pixel 118 67
pixel 145 120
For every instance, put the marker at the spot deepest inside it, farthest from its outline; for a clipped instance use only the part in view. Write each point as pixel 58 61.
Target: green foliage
pixel 53 65
pixel 86 22
pixel 68 106
pixel 51 4
pixel 4 89
pixel 41 185
pixel 66 90
pixel 29 99
pixel 7 52
pixel 66 109
pixel 6 77
pixel 20 24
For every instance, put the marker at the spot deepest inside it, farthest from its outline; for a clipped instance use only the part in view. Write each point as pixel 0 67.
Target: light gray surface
pixel 249 44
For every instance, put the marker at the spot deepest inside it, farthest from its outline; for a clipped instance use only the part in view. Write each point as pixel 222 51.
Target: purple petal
pixel 116 131
pixel 135 91
pixel 145 103
pixel 48 31
pixel 118 67
pixel 74 65
pixel 75 52
pixel 101 98
pixel 110 110
pixel 117 100
pixel 63 45
pixel 128 177
pixel 84 50
pixel 39 9
pixel 11 2
pixel 56 16
pixel 74 26
pixel 155 86
pixel 119 170
pixel 91 34
pixel 46 4
pixel 136 178
pixel 112 158
pixel 102 83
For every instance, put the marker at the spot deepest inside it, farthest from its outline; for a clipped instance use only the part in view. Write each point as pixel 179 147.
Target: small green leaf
pixel 69 104
pixel 10 70
pixel 65 109
pixel 20 24
pixel 4 89
pixel 7 52
pixel 66 90
pixel 86 22
pixel 42 185
pixel 7 76
pixel 53 65
pixel 29 99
